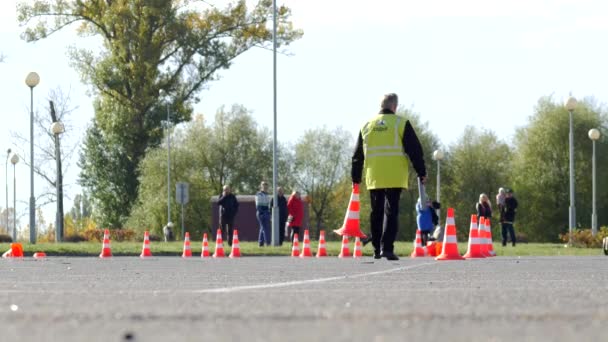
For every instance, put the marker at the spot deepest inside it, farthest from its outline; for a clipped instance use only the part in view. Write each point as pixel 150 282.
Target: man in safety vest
pixel 381 147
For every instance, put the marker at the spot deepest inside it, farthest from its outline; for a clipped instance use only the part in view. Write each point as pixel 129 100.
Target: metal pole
pixel 572 214
pixel 275 212
pixel 594 212
pixel 183 230
pixel 32 199
pixel 59 188
pixel 168 166
pixel 14 205
pixel 438 211
pixel 8 153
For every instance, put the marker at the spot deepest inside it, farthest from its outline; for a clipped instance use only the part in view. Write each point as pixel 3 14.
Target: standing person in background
pixel 262 213
pixel 484 207
pixel 381 150
pixel 295 208
pixel 500 202
pixel 508 216
pixel 282 213
pixel 229 206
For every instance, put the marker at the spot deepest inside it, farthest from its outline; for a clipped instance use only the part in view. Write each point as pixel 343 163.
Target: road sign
pixel 181 193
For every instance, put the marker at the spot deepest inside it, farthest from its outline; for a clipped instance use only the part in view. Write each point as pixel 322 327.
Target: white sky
pixel 471 62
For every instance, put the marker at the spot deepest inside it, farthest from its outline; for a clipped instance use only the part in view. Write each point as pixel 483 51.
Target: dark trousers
pixel 227 227
pixel 508 228
pixel 282 222
pixel 384 218
pixel 264 222
pixel 295 230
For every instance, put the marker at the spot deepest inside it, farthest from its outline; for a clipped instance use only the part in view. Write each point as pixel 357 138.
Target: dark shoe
pixel 366 240
pixel 390 256
pixel 377 255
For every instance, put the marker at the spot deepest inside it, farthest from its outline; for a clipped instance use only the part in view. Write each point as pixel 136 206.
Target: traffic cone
pixel 419 251
pixel 344 252
pixel 475 242
pixel 431 248
pixel 106 250
pixel 351 220
pixel 145 250
pixel 481 233
pixel 16 251
pixel 449 250
pixel 306 253
pixel 295 247
pixel 219 245
pixel 489 242
pixel 322 249
pixel 235 252
pixel 39 255
pixel 187 253
pixel 358 252
pixel 205 251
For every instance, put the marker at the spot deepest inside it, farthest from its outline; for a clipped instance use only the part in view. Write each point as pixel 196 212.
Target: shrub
pixel 5 238
pixel 584 238
pixel 154 237
pixel 74 238
pixel 92 234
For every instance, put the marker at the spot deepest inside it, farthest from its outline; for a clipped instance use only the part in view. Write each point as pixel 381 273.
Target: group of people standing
pixel 507 206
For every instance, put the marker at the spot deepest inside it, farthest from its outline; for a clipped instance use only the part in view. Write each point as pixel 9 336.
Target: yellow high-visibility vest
pixel 385 165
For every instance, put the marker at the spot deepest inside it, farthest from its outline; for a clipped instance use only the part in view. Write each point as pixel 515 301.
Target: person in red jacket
pixel 295 208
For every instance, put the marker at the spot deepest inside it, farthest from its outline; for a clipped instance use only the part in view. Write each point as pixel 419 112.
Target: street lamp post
pixel 8 154
pixel 438 156
pixel 275 211
pixel 169 165
pixel 14 161
pixel 570 106
pixel 57 128
pixel 594 134
pixel 32 80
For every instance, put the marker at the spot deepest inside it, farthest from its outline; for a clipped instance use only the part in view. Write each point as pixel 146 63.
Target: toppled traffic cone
pixel 489 242
pixel 322 249
pixel 106 250
pixel 236 250
pixel 351 220
pixel 306 253
pixel 39 255
pixel 449 250
pixel 16 251
pixel 419 251
pixel 187 253
pixel 474 250
pixel 145 250
pixel 358 252
pixel 205 251
pixel 432 249
pixel 219 245
pixel 295 247
pixel 344 251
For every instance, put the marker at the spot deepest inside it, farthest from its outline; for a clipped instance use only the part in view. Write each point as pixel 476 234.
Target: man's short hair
pixel 389 100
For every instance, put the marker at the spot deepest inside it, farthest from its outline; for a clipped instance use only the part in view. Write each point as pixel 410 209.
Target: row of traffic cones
pixel 322 249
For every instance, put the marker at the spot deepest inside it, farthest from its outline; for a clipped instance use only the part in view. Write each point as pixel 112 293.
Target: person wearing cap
pixel 508 217
pixel 262 213
pixel 382 146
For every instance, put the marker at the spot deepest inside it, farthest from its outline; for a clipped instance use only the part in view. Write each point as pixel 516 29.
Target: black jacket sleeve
pixel 413 148
pixel 356 171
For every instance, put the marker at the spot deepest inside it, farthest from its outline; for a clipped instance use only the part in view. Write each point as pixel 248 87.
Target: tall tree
pixel 148 47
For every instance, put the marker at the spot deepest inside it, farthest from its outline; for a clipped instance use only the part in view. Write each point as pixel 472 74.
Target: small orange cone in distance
pixel 419 251
pixel 295 247
pixel 106 250
pixel 219 245
pixel 16 251
pixel 351 220
pixel 205 251
pixel 489 238
pixel 358 252
pixel 187 253
pixel 475 243
pixel 450 243
pixel 306 253
pixel 236 250
pixel 145 250
pixel 344 251
pixel 39 255
pixel 322 249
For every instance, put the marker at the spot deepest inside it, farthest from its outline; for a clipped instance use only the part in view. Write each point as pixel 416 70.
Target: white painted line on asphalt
pixel 308 281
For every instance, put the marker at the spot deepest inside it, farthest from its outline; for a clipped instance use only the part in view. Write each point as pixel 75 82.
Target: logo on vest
pixel 380 126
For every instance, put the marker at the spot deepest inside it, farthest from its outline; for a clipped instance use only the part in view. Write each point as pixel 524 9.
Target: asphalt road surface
pixel 285 299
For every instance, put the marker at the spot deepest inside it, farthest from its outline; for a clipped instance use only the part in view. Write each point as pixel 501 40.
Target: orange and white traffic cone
pixel 219 245
pixel 106 250
pixel 489 238
pixel 187 253
pixel 205 251
pixel 39 255
pixel 145 250
pixel 475 242
pixel 16 251
pixel 481 233
pixel 449 249
pixel 358 251
pixel 295 247
pixel 306 253
pixel 351 220
pixel 235 252
pixel 419 251
pixel 322 249
pixel 344 251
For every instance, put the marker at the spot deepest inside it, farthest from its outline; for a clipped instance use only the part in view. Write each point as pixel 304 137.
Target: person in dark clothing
pixel 484 208
pixel 282 204
pixel 229 206
pixel 381 147
pixel 508 217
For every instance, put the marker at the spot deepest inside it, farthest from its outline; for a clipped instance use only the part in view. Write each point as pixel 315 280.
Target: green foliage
pixel 149 47
pixel 584 238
